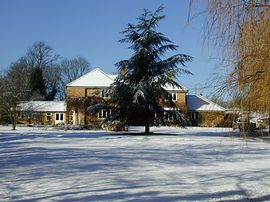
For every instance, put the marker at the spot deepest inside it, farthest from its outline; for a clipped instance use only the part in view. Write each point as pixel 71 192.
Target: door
pixel 59 118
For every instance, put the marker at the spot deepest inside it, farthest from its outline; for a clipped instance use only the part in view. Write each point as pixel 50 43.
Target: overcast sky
pixel 91 29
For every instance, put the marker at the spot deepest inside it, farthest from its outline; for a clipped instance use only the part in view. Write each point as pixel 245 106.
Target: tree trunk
pixel 147 128
pixel 269 123
pixel 13 122
pixel 13 126
pixel 147 122
pixel 12 119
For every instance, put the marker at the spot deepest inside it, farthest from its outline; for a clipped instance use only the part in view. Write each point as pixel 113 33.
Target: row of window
pixel 28 115
pixel 106 94
pixel 169 117
pixel 107 113
pixel 104 113
pixel 58 116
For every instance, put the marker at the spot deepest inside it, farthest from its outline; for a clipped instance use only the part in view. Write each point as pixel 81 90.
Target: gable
pixel 200 103
pixel 94 78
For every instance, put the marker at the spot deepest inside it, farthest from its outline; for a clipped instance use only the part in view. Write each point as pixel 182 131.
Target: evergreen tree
pixel 37 82
pixel 138 91
pixel 45 73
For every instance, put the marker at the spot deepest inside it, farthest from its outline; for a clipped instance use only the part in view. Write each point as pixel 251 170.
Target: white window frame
pixel 195 116
pixel 59 116
pixel 174 95
pixel 105 93
pixel 104 113
pixel 48 116
pixel 170 117
pixel 171 96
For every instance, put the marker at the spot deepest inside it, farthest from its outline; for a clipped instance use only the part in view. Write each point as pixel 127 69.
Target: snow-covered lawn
pixel 194 164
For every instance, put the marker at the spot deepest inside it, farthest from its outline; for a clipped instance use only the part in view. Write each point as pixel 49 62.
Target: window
pixel 48 116
pixel 171 97
pixel 59 117
pixel 169 116
pixel 195 116
pixel 104 113
pixel 25 115
pixel 105 93
pixel 174 96
pixel 71 116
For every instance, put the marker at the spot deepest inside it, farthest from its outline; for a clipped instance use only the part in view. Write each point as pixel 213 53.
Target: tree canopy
pixel 138 91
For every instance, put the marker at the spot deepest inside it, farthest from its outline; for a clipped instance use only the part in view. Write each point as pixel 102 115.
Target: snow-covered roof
pixel 170 87
pixel 112 76
pixel 94 78
pixel 43 106
pixel 200 103
pixel 98 78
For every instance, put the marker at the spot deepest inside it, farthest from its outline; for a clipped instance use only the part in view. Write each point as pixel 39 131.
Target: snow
pixel 43 106
pixel 94 78
pixel 200 103
pixel 98 78
pixel 112 76
pixel 170 87
pixel 193 164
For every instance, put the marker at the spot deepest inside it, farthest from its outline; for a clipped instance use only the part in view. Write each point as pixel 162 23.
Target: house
pixel 83 92
pixel 204 112
pixel 200 110
pixel 42 112
pixel 92 87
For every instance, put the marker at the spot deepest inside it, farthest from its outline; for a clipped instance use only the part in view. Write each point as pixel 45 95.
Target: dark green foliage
pixel 138 93
pixel 50 95
pixel 37 82
pixel 148 71
pixel 45 74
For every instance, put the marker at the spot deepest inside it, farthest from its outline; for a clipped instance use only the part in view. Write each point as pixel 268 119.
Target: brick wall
pixel 209 119
pixel 181 101
pixel 93 92
pixel 75 92
pixel 82 92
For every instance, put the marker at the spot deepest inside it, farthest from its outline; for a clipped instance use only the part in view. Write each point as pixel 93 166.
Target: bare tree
pixel 71 69
pixel 40 55
pixel 53 81
pixel 41 58
pixel 74 68
pixel 13 90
